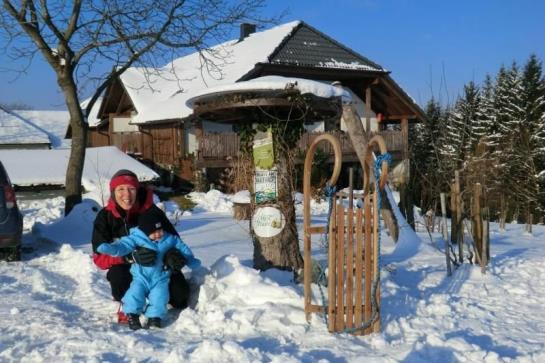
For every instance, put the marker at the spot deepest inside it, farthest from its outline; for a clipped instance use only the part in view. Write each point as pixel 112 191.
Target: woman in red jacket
pixel 128 199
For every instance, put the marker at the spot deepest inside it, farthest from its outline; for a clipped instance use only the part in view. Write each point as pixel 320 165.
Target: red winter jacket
pixel 113 222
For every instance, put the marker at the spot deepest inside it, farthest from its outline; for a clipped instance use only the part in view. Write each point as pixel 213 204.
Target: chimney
pixel 245 30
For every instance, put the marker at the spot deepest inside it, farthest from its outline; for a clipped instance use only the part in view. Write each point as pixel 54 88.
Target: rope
pixel 329 193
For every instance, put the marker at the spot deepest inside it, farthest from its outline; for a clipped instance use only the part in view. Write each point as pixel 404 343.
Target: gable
pixel 308 47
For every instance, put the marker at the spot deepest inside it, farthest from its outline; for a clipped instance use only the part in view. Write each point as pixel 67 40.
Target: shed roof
pixel 17 130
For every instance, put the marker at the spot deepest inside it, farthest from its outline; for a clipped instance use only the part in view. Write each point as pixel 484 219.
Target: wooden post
pixel 453 226
pixel 503 212
pixel 484 218
pixel 529 221
pixel 445 232
pixel 368 112
pixel 477 222
pixel 460 229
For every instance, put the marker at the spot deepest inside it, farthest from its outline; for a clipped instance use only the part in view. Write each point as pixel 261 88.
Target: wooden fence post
pixel 486 238
pixel 476 221
pixel 445 232
pixel 459 227
pixel 503 212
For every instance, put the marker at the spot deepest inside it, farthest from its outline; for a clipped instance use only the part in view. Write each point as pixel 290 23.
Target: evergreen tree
pixel 532 131
pixel 464 127
pixel 426 179
pixel 507 111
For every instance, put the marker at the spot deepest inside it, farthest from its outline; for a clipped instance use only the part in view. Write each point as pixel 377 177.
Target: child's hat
pixel 150 221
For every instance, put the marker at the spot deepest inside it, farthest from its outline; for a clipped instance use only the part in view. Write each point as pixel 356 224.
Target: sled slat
pixel 376 324
pixel 331 278
pixel 359 268
pixel 350 269
pixel 367 260
pixel 340 268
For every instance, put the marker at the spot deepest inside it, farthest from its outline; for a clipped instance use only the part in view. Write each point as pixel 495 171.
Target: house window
pixel 122 124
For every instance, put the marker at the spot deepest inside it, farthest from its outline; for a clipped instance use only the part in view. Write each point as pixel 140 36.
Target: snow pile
pixel 211 201
pixel 76 228
pixel 242 197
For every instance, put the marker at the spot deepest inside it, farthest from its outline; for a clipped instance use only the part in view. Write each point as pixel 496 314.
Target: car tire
pixel 14 254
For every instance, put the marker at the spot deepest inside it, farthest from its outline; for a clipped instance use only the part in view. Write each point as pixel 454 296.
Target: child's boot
pixel 154 322
pixel 134 321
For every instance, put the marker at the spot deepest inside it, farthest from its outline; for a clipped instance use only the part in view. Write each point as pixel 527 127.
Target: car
pixel 11 220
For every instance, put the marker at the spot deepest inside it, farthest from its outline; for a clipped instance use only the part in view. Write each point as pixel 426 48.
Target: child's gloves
pixel 144 256
pixel 174 260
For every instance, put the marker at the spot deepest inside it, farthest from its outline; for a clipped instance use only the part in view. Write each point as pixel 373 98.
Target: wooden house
pixel 144 111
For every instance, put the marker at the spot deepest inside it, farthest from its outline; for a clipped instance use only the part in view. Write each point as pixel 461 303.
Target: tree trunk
pixel 74 171
pixel 281 251
pixel 359 140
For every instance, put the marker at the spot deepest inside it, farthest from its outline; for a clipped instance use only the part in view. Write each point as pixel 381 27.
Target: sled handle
pixel 306 205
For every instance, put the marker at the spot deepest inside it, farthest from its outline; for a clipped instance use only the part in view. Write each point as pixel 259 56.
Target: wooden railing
pixel 221 146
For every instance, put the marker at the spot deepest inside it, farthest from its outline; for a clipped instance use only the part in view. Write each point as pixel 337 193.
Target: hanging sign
pixel 268 222
pixel 263 150
pixel 265 185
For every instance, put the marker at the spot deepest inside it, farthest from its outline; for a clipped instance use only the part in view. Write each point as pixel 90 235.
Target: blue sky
pixel 430 46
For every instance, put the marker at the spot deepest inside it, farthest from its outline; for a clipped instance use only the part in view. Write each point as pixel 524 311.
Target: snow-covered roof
pixel 274 83
pixel 15 129
pixel 92 117
pixel 162 94
pixel 54 123
pixel 48 167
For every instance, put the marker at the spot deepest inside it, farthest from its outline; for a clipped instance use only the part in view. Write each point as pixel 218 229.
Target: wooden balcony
pixel 218 149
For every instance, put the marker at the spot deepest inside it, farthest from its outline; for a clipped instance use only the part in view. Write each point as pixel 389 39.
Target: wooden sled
pixel 353 290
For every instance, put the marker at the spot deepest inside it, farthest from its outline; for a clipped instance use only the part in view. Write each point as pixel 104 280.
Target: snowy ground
pixel 56 305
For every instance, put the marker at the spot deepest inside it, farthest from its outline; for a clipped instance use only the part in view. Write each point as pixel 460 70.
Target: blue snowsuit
pixel 148 281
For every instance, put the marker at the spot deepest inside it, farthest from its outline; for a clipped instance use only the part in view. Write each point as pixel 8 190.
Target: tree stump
pixel 242 211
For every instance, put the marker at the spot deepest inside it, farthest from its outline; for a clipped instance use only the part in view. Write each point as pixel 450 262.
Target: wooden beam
pixel 368 110
pixel 399 117
pixel 405 136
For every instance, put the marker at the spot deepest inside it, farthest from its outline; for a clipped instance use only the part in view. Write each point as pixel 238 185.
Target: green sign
pixel 263 150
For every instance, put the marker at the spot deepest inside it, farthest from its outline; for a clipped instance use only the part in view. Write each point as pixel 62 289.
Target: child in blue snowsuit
pixel 149 282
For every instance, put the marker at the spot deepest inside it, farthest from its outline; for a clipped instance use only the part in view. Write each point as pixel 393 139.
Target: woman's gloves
pixel 144 256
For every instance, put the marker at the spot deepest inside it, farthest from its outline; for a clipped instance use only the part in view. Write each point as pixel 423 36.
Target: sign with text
pixel 265 185
pixel 268 222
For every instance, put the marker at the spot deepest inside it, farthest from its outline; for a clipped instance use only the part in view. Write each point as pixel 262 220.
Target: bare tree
pixel 89 43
